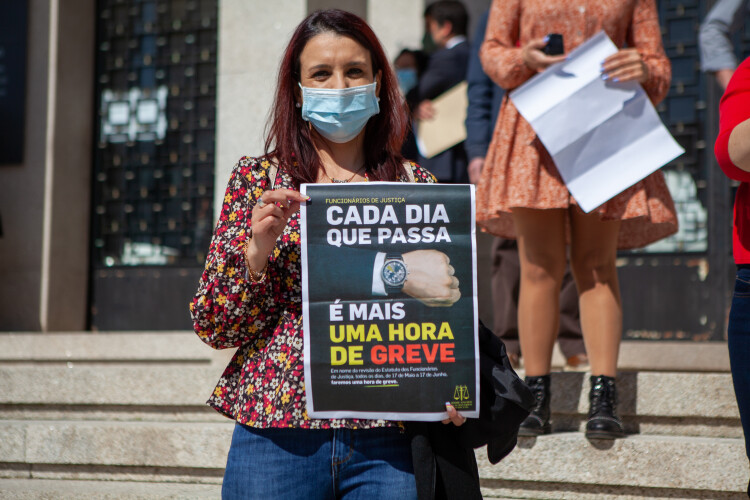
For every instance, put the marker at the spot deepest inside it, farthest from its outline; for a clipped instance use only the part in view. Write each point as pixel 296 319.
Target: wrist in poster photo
pixel 429 277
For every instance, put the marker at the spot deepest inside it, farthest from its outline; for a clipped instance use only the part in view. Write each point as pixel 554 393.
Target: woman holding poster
pixel 521 194
pixel 338 117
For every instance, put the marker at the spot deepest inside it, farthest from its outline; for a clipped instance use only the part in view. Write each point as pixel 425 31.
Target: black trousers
pixel 506 280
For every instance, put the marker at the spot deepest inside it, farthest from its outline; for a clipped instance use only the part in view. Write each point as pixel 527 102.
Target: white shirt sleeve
pixel 378 287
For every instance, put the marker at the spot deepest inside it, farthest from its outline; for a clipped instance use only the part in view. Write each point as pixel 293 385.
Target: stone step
pixel 72 362
pixel 179 346
pixel 516 490
pixel 567 465
pixel 667 403
pixel 108 391
pixel 129 409
pixel 114 376
pixel 564 465
pixel 50 489
pixel 154 384
pixel 184 346
pixel 130 446
pixel 639 355
pixel 700 404
pixel 653 394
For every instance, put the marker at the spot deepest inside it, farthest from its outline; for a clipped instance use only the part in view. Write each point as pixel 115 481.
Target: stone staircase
pixel 121 416
pixel 110 415
pixel 684 441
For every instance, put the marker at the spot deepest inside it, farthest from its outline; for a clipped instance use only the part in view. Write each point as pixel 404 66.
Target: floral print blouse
pixel 263 386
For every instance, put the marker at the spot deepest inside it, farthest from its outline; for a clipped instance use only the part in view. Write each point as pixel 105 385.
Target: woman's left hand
pixel 268 219
pixel 625 65
pixel 453 416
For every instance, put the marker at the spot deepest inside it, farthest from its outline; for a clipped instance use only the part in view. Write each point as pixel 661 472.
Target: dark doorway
pixel 680 288
pixel 154 160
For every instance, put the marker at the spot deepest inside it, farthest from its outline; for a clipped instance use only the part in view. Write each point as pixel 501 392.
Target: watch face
pixel 394 273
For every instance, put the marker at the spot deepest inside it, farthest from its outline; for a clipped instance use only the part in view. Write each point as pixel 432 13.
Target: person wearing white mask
pixel 338 117
pixel 409 65
pixel 408 69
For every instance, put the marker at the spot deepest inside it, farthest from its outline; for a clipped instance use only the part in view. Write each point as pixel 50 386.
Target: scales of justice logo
pixel 461 393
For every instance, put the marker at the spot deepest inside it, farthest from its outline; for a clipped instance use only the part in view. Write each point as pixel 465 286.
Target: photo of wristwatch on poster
pixel 389 300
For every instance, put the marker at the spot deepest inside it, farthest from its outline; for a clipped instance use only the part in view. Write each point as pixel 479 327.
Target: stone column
pixel 398 24
pixel 45 200
pixel 65 265
pixel 252 37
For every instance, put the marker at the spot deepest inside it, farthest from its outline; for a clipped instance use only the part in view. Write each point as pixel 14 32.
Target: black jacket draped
pixel 444 463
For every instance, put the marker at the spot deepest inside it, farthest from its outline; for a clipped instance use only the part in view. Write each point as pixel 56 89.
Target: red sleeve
pixel 734 109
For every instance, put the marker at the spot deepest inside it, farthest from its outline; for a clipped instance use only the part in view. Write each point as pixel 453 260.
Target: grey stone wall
pixel 45 200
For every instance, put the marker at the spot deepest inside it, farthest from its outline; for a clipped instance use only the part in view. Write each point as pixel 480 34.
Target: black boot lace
pixel 603 398
pixel 537 386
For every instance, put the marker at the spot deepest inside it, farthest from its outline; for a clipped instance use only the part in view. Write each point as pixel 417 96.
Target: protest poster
pixel 378 343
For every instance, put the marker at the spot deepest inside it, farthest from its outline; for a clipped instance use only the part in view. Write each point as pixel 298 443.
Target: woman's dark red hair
pixel 289 137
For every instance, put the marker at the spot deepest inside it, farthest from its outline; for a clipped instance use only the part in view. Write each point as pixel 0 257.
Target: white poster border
pixel 394 416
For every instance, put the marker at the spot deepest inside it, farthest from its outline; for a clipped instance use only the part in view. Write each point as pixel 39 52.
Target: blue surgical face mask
pixel 339 115
pixel 407 79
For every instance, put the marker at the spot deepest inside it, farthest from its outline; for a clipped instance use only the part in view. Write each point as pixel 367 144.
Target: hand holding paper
pixel 604 136
pixel 446 127
pixel 625 65
pixel 537 60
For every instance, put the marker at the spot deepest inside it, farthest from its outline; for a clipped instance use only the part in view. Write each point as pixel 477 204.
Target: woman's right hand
pixel 537 60
pixel 269 217
pixel 431 278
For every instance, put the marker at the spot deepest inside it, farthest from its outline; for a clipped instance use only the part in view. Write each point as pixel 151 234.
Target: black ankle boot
pixel 538 420
pixel 603 421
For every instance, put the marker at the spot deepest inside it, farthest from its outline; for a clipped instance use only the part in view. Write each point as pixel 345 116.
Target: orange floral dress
pixel 518 171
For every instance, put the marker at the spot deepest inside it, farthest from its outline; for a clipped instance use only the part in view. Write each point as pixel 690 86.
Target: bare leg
pixel 570 336
pixel 541 250
pixel 593 255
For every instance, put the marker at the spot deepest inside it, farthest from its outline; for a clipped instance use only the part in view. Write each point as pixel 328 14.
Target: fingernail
pixel 615 79
pixel 447 403
pixel 307 198
pixel 546 39
pixel 604 76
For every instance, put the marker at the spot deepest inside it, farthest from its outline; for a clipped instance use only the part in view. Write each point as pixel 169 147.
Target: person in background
pixel 732 150
pixel 485 98
pixel 521 194
pixel 714 38
pixel 484 103
pixel 409 65
pixel 250 294
pixel 447 22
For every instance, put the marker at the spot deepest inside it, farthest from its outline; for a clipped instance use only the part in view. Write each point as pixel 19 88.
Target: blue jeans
pixel 739 347
pixel 331 464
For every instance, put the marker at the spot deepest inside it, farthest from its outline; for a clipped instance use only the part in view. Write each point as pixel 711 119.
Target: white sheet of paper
pixel 603 136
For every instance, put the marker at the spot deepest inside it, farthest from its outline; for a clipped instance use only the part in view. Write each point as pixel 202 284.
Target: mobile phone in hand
pixel 554 45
